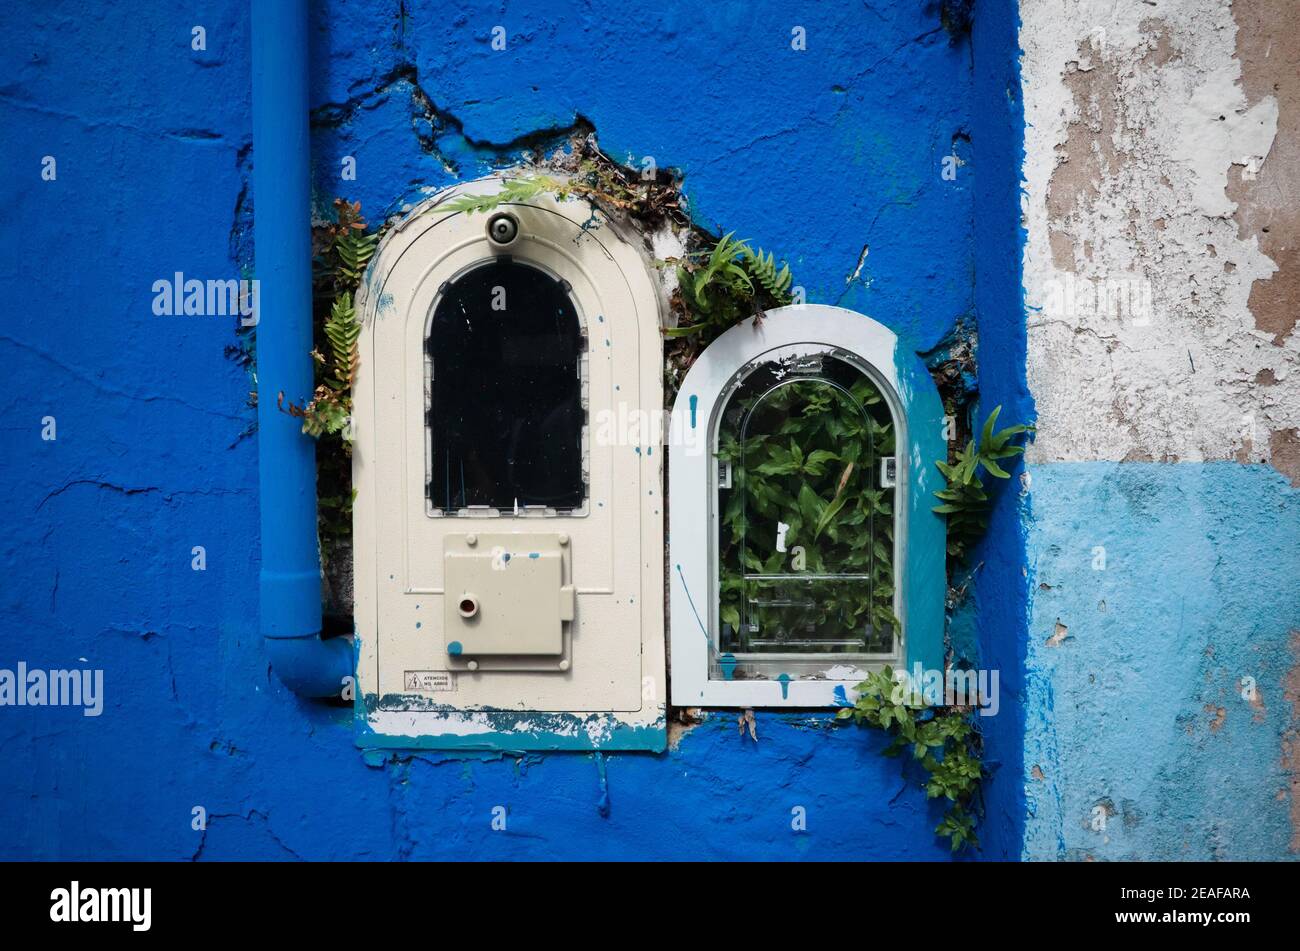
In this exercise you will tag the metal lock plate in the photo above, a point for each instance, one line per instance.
(506, 595)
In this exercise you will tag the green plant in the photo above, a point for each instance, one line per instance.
(343, 250)
(725, 284)
(965, 500)
(802, 509)
(941, 740)
(513, 191)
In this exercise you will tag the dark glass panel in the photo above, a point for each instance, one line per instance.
(505, 416)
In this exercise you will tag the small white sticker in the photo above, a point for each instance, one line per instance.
(430, 681)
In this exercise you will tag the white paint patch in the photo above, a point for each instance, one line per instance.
(1135, 119)
(1214, 129)
(846, 672)
(667, 244)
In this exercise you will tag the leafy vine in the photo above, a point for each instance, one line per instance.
(942, 740)
(341, 251)
(965, 501)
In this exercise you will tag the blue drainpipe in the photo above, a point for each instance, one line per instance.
(286, 471)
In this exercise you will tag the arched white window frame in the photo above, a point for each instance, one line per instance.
(919, 535)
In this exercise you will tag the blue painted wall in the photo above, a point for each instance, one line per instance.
(997, 588)
(1136, 708)
(813, 154)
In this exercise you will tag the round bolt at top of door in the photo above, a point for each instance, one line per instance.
(503, 227)
(468, 606)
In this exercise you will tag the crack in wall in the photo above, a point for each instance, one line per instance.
(430, 123)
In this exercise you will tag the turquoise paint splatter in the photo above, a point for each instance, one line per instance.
(784, 681)
(694, 610)
(695, 404)
(454, 648)
(728, 664)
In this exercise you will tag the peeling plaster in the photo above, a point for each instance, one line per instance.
(1147, 141)
(1161, 197)
(1268, 45)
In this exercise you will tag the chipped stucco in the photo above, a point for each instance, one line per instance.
(1156, 157)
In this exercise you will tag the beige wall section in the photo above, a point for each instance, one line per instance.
(1161, 268)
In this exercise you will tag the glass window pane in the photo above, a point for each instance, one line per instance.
(805, 528)
(505, 415)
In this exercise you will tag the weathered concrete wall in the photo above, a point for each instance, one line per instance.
(1161, 165)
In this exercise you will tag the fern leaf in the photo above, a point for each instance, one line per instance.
(343, 332)
(762, 266)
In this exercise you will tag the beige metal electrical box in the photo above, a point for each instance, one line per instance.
(507, 605)
(508, 521)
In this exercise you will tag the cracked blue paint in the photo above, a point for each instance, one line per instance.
(155, 455)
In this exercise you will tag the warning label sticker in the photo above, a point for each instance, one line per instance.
(430, 681)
